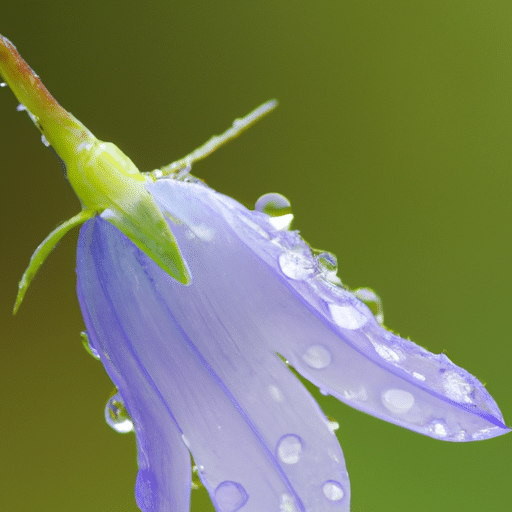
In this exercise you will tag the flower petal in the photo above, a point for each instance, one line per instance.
(200, 360)
(258, 437)
(163, 481)
(332, 338)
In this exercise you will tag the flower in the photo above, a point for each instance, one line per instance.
(197, 366)
(197, 307)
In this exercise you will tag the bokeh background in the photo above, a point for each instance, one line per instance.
(393, 143)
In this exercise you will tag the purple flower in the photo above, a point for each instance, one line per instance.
(198, 366)
(197, 306)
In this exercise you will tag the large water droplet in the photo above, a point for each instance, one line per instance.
(347, 316)
(333, 490)
(372, 300)
(289, 448)
(273, 204)
(87, 345)
(230, 496)
(296, 266)
(278, 208)
(117, 416)
(398, 401)
(317, 357)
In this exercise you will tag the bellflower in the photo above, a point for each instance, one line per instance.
(196, 307)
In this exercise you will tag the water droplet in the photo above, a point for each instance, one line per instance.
(372, 300)
(286, 504)
(391, 355)
(485, 433)
(20, 107)
(327, 262)
(456, 387)
(289, 448)
(317, 357)
(87, 345)
(276, 393)
(296, 266)
(438, 428)
(3, 84)
(398, 401)
(230, 496)
(360, 394)
(185, 441)
(273, 204)
(347, 316)
(278, 208)
(418, 376)
(44, 141)
(328, 266)
(333, 490)
(202, 232)
(333, 425)
(117, 416)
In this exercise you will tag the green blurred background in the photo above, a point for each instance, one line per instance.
(393, 143)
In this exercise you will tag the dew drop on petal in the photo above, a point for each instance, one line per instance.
(273, 204)
(289, 448)
(372, 300)
(418, 376)
(278, 208)
(456, 387)
(438, 428)
(347, 316)
(230, 496)
(398, 401)
(276, 393)
(117, 416)
(333, 490)
(333, 425)
(286, 504)
(296, 266)
(317, 357)
(328, 267)
(360, 394)
(327, 262)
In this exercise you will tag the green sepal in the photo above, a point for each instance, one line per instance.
(44, 249)
(146, 227)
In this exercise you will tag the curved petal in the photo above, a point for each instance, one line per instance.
(164, 477)
(200, 360)
(331, 337)
(258, 437)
